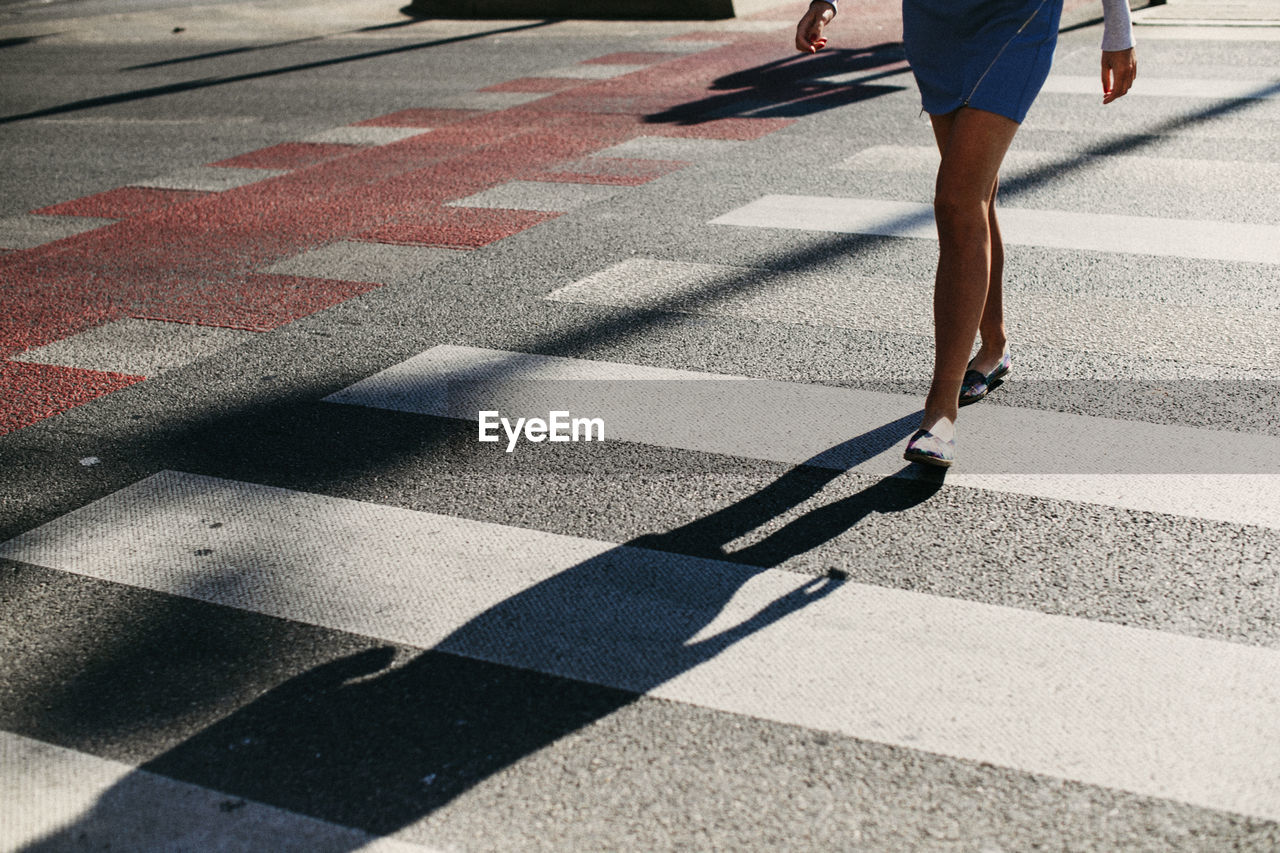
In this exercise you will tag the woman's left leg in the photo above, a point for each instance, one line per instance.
(991, 332)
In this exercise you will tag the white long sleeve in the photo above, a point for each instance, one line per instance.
(1117, 28)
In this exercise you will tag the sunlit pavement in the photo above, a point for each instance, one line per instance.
(313, 317)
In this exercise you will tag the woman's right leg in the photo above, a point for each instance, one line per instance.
(991, 330)
(973, 144)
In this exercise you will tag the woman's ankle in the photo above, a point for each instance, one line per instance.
(993, 345)
(939, 421)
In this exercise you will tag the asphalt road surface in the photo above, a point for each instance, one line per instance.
(312, 318)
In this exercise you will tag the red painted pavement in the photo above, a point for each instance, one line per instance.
(121, 203)
(614, 171)
(419, 117)
(458, 227)
(258, 303)
(29, 393)
(647, 57)
(197, 257)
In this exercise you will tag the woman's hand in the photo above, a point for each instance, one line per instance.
(809, 37)
(1119, 68)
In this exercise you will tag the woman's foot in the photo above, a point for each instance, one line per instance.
(983, 370)
(934, 444)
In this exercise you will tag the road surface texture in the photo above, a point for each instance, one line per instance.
(271, 273)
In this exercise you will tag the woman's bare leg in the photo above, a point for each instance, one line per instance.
(991, 328)
(973, 144)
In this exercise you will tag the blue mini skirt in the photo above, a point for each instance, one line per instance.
(991, 55)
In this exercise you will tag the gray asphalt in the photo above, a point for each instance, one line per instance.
(166, 683)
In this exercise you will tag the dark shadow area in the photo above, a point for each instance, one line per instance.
(708, 536)
(18, 41)
(630, 10)
(361, 743)
(208, 82)
(794, 86)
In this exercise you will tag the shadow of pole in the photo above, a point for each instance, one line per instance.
(208, 82)
(259, 48)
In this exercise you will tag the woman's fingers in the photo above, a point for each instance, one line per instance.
(809, 38)
(809, 34)
(1119, 70)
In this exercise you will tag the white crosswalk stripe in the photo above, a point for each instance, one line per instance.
(1097, 232)
(136, 347)
(1127, 327)
(1154, 713)
(1019, 163)
(1206, 31)
(1196, 473)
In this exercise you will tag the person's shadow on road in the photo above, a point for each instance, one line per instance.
(366, 744)
(797, 85)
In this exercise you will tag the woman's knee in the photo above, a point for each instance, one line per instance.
(961, 214)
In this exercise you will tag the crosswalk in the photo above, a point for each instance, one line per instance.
(1104, 685)
(1156, 714)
